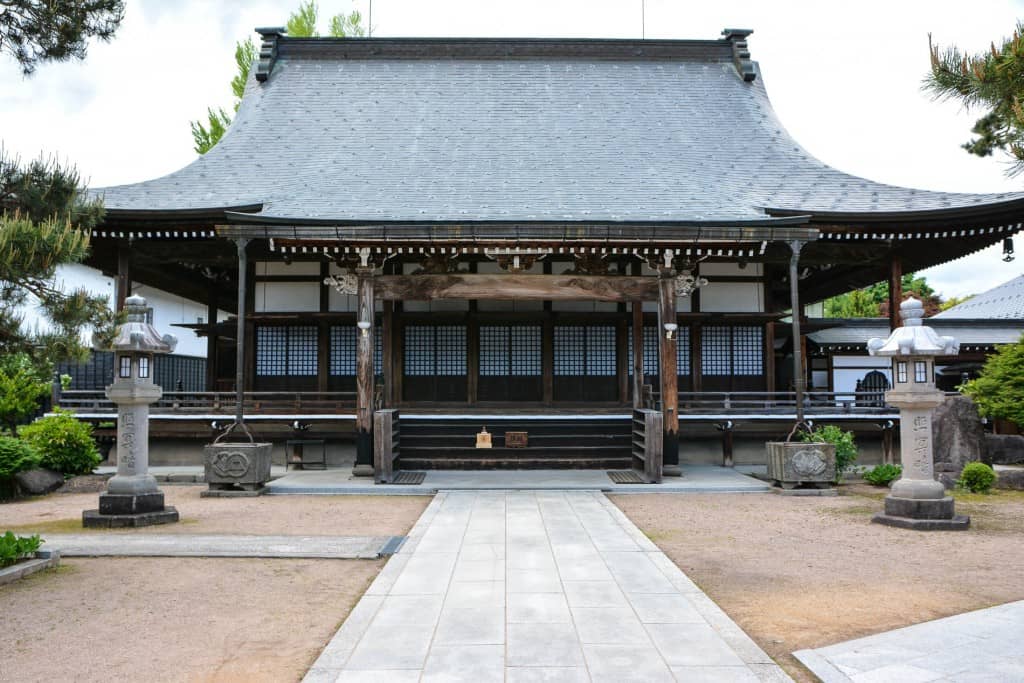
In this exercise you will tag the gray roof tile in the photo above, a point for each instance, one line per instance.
(1003, 302)
(559, 138)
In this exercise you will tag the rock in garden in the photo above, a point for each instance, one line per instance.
(1009, 477)
(39, 481)
(1004, 449)
(958, 437)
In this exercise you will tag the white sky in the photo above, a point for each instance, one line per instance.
(844, 78)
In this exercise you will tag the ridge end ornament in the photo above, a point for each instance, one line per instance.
(347, 283)
(687, 283)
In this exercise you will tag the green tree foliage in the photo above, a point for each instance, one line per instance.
(36, 31)
(846, 448)
(22, 386)
(64, 443)
(302, 23)
(45, 219)
(954, 301)
(15, 456)
(998, 390)
(976, 477)
(992, 82)
(873, 301)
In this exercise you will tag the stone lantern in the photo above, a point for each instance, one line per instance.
(916, 500)
(132, 497)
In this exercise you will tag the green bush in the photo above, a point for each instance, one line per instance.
(22, 387)
(883, 475)
(64, 444)
(846, 449)
(16, 455)
(14, 548)
(977, 477)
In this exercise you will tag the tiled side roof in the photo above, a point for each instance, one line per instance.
(1003, 302)
(967, 332)
(348, 131)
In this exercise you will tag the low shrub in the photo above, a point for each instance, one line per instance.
(64, 444)
(846, 449)
(883, 475)
(14, 548)
(16, 456)
(977, 477)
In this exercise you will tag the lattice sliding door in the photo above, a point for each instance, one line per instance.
(585, 363)
(434, 363)
(732, 358)
(511, 363)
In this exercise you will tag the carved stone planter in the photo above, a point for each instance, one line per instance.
(791, 463)
(236, 468)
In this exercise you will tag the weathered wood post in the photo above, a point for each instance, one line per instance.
(638, 355)
(364, 374)
(799, 377)
(667, 329)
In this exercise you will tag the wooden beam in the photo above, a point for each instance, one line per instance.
(516, 286)
(124, 276)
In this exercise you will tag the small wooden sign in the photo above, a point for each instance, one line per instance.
(516, 439)
(483, 438)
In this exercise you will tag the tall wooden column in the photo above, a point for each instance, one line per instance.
(638, 354)
(123, 284)
(895, 291)
(364, 375)
(799, 372)
(669, 374)
(211, 339)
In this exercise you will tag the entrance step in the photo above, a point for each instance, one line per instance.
(564, 443)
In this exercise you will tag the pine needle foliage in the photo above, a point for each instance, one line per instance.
(302, 23)
(45, 222)
(992, 82)
(37, 31)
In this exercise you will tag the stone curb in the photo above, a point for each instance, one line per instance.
(44, 559)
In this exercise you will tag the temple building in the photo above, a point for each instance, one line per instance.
(527, 230)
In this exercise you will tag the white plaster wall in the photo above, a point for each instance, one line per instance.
(287, 296)
(732, 297)
(168, 309)
(712, 268)
(294, 268)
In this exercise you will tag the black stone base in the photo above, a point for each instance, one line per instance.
(935, 508)
(95, 519)
(923, 515)
(956, 523)
(130, 504)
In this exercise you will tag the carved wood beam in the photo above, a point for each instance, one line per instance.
(516, 286)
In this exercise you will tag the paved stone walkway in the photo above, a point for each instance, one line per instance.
(536, 586)
(986, 645)
(212, 545)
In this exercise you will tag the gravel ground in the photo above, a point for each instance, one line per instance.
(807, 572)
(190, 619)
(265, 515)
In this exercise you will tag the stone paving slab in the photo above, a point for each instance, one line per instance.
(535, 586)
(695, 479)
(213, 545)
(985, 645)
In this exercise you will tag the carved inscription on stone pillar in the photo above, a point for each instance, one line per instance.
(129, 444)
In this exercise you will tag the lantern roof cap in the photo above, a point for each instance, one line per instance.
(913, 338)
(137, 334)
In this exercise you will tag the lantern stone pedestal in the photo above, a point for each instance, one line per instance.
(132, 498)
(916, 500)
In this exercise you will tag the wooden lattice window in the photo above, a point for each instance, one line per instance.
(513, 350)
(652, 362)
(342, 351)
(732, 350)
(584, 350)
(435, 350)
(289, 351)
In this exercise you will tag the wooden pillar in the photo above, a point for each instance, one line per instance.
(211, 339)
(638, 354)
(388, 350)
(123, 284)
(799, 377)
(622, 361)
(895, 291)
(364, 374)
(240, 349)
(669, 376)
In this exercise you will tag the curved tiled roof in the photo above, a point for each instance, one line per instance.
(1003, 302)
(515, 130)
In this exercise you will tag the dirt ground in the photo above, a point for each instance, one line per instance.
(807, 572)
(265, 515)
(190, 619)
